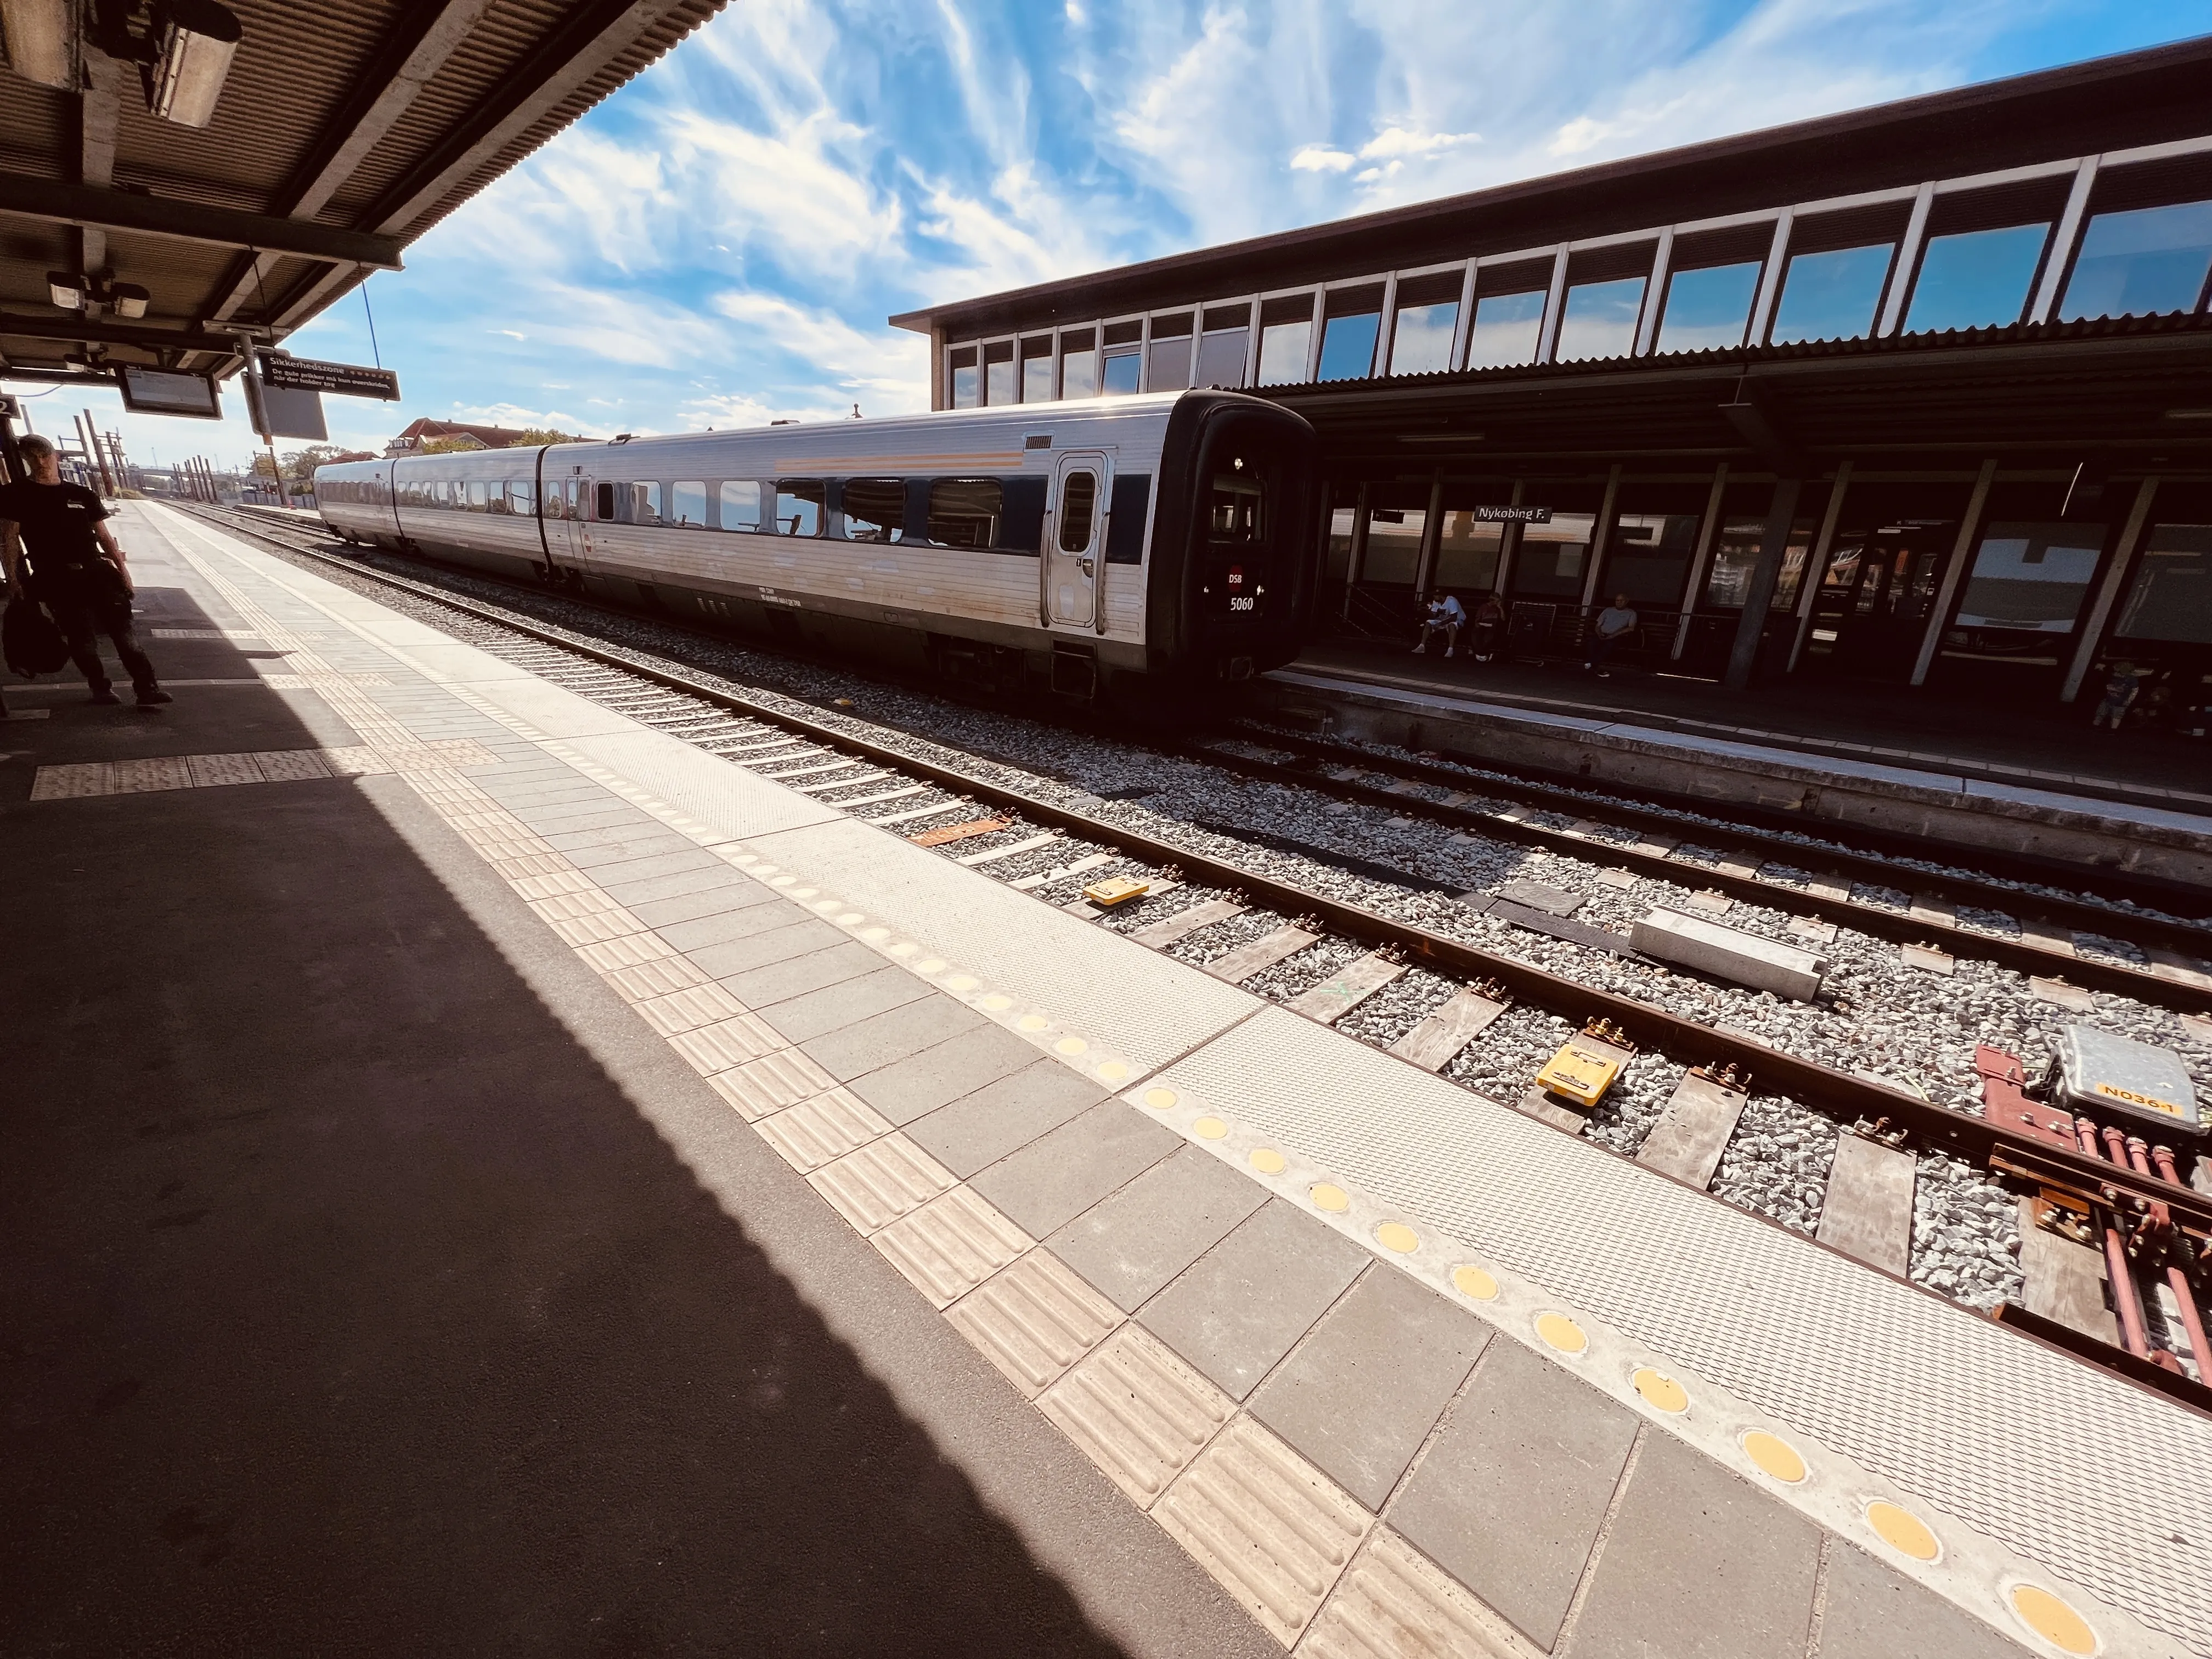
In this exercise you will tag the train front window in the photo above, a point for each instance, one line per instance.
(798, 506)
(1235, 515)
(966, 512)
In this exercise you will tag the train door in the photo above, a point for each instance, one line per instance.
(1075, 538)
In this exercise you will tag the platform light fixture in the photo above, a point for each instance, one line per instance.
(66, 291)
(42, 40)
(194, 41)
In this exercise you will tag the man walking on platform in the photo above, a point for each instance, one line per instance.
(67, 560)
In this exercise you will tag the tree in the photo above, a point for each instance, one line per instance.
(530, 437)
(299, 465)
(448, 445)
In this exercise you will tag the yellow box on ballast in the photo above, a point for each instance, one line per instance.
(1580, 1074)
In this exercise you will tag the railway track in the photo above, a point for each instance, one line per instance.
(1023, 830)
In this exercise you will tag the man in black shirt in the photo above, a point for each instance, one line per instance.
(67, 560)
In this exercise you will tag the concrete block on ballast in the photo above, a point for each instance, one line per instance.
(1729, 953)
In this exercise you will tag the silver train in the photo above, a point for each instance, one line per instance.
(1106, 546)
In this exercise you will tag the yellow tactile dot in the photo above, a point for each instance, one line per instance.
(1397, 1235)
(998, 1002)
(745, 860)
(782, 881)
(1333, 1199)
(962, 981)
(851, 919)
(1267, 1161)
(1031, 1023)
(1659, 1391)
(1071, 1046)
(1774, 1456)
(1160, 1099)
(1561, 1332)
(878, 935)
(905, 947)
(825, 906)
(1209, 1129)
(1903, 1531)
(805, 892)
(932, 965)
(1473, 1281)
(2052, 1619)
(1113, 1071)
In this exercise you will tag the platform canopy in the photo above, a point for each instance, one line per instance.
(174, 171)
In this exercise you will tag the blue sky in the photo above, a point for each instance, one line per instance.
(719, 243)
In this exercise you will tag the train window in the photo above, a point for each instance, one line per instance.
(1236, 513)
(741, 504)
(643, 501)
(1078, 508)
(967, 385)
(798, 504)
(603, 508)
(1125, 528)
(875, 509)
(966, 512)
(687, 504)
(479, 501)
(522, 497)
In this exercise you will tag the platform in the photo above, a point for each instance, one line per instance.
(1972, 779)
(495, 1174)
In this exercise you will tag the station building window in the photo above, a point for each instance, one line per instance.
(1553, 558)
(1225, 333)
(1739, 536)
(967, 377)
(998, 373)
(966, 512)
(739, 504)
(800, 506)
(1599, 319)
(1426, 320)
(1393, 543)
(1653, 539)
(687, 504)
(1976, 279)
(1122, 370)
(1285, 339)
(1167, 367)
(1467, 550)
(2141, 263)
(1337, 557)
(1036, 369)
(1079, 363)
(1351, 324)
(1509, 314)
(1837, 272)
(1707, 307)
(874, 509)
(2169, 599)
(2025, 587)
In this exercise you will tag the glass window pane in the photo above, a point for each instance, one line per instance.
(2031, 577)
(1078, 506)
(1976, 279)
(1735, 556)
(874, 508)
(1708, 310)
(1348, 346)
(967, 383)
(1221, 357)
(1550, 563)
(1235, 514)
(966, 512)
(688, 504)
(1340, 543)
(645, 503)
(741, 504)
(2171, 597)
(1121, 370)
(1832, 296)
(1601, 320)
(1467, 554)
(2138, 264)
(1649, 558)
(1421, 338)
(476, 496)
(1505, 329)
(998, 378)
(1283, 348)
(1036, 371)
(798, 506)
(1394, 545)
(1078, 373)
(1168, 369)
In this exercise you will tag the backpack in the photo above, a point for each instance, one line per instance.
(32, 645)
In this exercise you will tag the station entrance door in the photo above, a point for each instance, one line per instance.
(1871, 612)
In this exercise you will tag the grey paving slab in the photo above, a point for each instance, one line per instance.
(1700, 1562)
(683, 858)
(639, 890)
(1363, 1390)
(1868, 1612)
(977, 1130)
(726, 898)
(570, 817)
(797, 976)
(1509, 1498)
(595, 850)
(1244, 1303)
(827, 1009)
(903, 1033)
(1059, 1175)
(906, 1088)
(737, 957)
(739, 914)
(1136, 1241)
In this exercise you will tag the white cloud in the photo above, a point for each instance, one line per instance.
(1320, 158)
(1398, 142)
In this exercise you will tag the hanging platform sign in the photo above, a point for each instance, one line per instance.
(1513, 515)
(291, 373)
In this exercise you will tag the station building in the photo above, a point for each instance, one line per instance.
(1915, 395)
